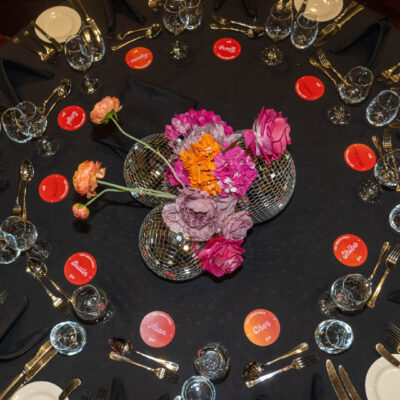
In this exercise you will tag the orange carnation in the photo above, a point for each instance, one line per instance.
(86, 176)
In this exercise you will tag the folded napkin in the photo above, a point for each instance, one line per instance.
(249, 5)
(317, 387)
(110, 11)
(374, 36)
(147, 108)
(9, 315)
(394, 296)
(117, 390)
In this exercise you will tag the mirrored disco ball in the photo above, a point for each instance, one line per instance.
(271, 191)
(144, 169)
(169, 255)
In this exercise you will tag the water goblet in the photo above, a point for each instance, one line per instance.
(175, 19)
(95, 41)
(21, 234)
(387, 169)
(68, 338)
(277, 27)
(333, 336)
(197, 388)
(195, 13)
(383, 108)
(358, 82)
(212, 361)
(90, 304)
(304, 31)
(13, 129)
(80, 57)
(7, 253)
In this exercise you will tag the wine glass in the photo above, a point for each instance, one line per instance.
(95, 41)
(21, 234)
(383, 108)
(278, 26)
(7, 253)
(68, 338)
(358, 82)
(90, 303)
(175, 19)
(305, 29)
(11, 120)
(80, 57)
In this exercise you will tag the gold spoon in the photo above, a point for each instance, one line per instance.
(250, 33)
(151, 33)
(27, 173)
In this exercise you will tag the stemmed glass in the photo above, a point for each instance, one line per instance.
(278, 26)
(80, 57)
(68, 338)
(175, 19)
(20, 234)
(304, 32)
(95, 41)
(7, 253)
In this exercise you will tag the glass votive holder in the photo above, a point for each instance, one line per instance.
(394, 218)
(14, 130)
(212, 361)
(7, 253)
(194, 13)
(383, 108)
(21, 234)
(304, 31)
(68, 338)
(358, 82)
(90, 303)
(197, 388)
(387, 169)
(333, 336)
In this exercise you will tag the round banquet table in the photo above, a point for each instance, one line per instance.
(289, 260)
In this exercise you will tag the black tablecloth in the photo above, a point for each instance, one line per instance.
(288, 261)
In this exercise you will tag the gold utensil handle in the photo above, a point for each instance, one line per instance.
(24, 202)
(224, 28)
(82, 8)
(384, 249)
(167, 364)
(316, 64)
(117, 357)
(43, 108)
(297, 350)
(242, 24)
(263, 378)
(346, 10)
(348, 384)
(372, 300)
(17, 208)
(381, 349)
(3, 394)
(53, 105)
(60, 290)
(350, 16)
(391, 70)
(117, 47)
(335, 381)
(377, 144)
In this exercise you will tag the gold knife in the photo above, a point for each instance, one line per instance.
(338, 27)
(381, 349)
(335, 381)
(90, 21)
(348, 384)
(395, 124)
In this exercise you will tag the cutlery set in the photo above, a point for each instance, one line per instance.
(346, 392)
(252, 31)
(388, 77)
(101, 394)
(151, 32)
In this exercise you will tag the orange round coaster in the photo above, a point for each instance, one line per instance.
(350, 250)
(262, 327)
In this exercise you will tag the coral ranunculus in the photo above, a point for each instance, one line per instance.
(86, 176)
(221, 256)
(80, 210)
(269, 136)
(104, 109)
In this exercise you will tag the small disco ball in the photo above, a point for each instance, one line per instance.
(271, 191)
(169, 255)
(144, 169)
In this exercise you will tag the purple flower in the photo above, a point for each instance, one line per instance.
(235, 226)
(235, 171)
(194, 213)
(269, 136)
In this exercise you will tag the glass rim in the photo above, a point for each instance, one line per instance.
(166, 7)
(344, 325)
(279, 15)
(82, 287)
(364, 69)
(384, 92)
(304, 15)
(72, 324)
(194, 378)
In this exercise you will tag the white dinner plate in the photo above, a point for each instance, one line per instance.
(325, 10)
(383, 380)
(40, 390)
(58, 22)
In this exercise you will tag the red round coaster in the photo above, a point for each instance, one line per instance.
(310, 88)
(54, 188)
(139, 58)
(157, 329)
(262, 327)
(227, 48)
(360, 157)
(71, 118)
(350, 250)
(80, 268)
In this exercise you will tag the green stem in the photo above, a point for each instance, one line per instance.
(101, 194)
(150, 192)
(148, 147)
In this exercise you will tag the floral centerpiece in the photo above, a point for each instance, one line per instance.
(213, 169)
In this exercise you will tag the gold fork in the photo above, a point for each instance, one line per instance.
(316, 64)
(58, 303)
(297, 363)
(388, 73)
(390, 262)
(327, 64)
(387, 146)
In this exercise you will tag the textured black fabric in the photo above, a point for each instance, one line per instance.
(289, 260)
(394, 296)
(110, 9)
(117, 390)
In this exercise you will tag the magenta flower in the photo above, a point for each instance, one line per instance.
(269, 136)
(180, 171)
(235, 226)
(194, 213)
(221, 256)
(235, 171)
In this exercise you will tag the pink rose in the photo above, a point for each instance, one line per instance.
(221, 256)
(102, 109)
(235, 226)
(269, 136)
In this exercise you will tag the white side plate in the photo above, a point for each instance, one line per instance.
(325, 10)
(40, 390)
